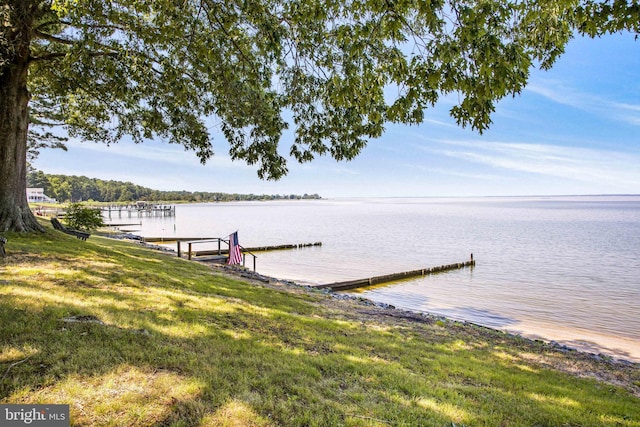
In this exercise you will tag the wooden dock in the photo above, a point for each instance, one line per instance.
(220, 251)
(259, 249)
(175, 239)
(220, 255)
(361, 283)
(138, 210)
(187, 240)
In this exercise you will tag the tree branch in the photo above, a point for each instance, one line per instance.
(53, 39)
(46, 24)
(238, 48)
(102, 26)
(48, 57)
(47, 124)
(14, 365)
(57, 55)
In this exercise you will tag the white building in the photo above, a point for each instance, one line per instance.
(36, 195)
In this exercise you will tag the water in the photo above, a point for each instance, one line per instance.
(558, 268)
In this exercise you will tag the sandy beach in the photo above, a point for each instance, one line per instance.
(585, 341)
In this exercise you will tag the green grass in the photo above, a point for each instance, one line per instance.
(180, 344)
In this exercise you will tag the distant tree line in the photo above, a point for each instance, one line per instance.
(65, 188)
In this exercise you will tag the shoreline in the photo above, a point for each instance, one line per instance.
(535, 332)
(556, 344)
(122, 330)
(586, 341)
(582, 363)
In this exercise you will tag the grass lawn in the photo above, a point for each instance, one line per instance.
(128, 336)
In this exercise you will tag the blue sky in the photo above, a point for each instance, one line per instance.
(575, 129)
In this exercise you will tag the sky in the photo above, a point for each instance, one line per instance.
(574, 130)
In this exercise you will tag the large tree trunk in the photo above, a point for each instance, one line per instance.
(15, 214)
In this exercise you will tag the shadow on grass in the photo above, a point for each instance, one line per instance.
(181, 346)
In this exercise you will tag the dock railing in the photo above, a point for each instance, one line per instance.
(220, 251)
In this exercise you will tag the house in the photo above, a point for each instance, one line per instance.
(36, 195)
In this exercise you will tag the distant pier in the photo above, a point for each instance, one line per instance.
(370, 281)
(139, 209)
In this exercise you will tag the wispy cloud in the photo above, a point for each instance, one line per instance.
(593, 104)
(159, 153)
(571, 163)
(458, 174)
(451, 125)
(628, 112)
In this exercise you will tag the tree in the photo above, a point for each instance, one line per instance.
(83, 218)
(38, 179)
(42, 116)
(109, 68)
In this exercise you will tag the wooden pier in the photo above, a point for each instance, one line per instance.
(138, 210)
(220, 251)
(361, 283)
(187, 240)
(259, 249)
(219, 255)
(175, 239)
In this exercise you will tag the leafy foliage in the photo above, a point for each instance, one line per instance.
(340, 70)
(44, 115)
(335, 71)
(596, 18)
(83, 218)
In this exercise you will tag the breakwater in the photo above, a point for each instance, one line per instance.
(370, 281)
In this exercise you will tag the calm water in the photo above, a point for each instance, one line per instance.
(558, 268)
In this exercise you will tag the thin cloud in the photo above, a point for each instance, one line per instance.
(571, 163)
(596, 105)
(157, 153)
(459, 174)
(442, 123)
(629, 113)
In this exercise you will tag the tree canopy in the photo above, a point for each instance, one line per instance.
(336, 71)
(146, 68)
